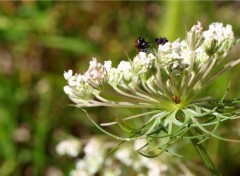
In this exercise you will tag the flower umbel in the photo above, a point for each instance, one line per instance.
(166, 81)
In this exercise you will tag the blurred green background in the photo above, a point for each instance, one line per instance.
(41, 39)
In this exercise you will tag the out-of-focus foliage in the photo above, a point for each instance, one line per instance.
(41, 39)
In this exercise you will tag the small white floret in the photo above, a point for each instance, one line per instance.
(70, 147)
(68, 75)
(67, 90)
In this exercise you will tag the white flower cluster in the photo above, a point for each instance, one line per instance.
(78, 89)
(218, 39)
(82, 89)
(129, 158)
(176, 71)
(94, 157)
(69, 147)
(143, 62)
(96, 73)
(94, 161)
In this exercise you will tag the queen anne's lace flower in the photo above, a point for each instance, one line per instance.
(178, 69)
(166, 81)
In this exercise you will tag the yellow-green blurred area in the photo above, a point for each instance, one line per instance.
(39, 40)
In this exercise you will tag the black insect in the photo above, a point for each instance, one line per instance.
(142, 45)
(161, 41)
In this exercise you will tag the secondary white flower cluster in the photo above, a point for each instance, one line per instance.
(94, 157)
(95, 160)
(128, 157)
(172, 74)
(218, 39)
(69, 147)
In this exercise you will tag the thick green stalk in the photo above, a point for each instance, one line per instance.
(204, 155)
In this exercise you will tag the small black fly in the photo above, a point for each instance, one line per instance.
(142, 45)
(161, 41)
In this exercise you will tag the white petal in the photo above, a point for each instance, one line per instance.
(108, 65)
(142, 55)
(123, 66)
(68, 90)
(68, 75)
(93, 63)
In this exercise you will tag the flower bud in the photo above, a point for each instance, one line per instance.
(211, 47)
(126, 69)
(194, 37)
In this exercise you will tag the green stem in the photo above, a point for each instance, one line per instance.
(204, 155)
